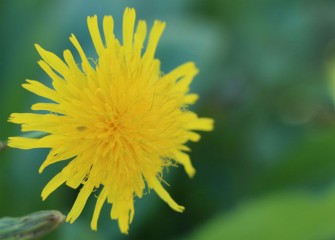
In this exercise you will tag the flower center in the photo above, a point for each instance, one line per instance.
(114, 125)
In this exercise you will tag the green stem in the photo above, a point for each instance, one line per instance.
(31, 226)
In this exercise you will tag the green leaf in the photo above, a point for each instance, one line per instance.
(281, 216)
(309, 161)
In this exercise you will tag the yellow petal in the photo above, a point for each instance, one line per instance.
(184, 83)
(141, 32)
(123, 211)
(52, 59)
(41, 90)
(192, 136)
(108, 26)
(80, 173)
(80, 202)
(191, 98)
(69, 59)
(85, 63)
(181, 71)
(101, 199)
(30, 143)
(155, 34)
(184, 159)
(24, 117)
(56, 155)
(93, 27)
(53, 184)
(128, 29)
(52, 107)
(57, 82)
(37, 122)
(203, 124)
(23, 143)
(165, 196)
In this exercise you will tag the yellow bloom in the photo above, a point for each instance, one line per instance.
(118, 121)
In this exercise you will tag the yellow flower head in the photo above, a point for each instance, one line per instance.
(118, 121)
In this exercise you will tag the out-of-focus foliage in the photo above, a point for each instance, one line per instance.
(268, 169)
(287, 215)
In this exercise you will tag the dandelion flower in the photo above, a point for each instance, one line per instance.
(117, 121)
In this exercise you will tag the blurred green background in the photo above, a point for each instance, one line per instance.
(266, 172)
